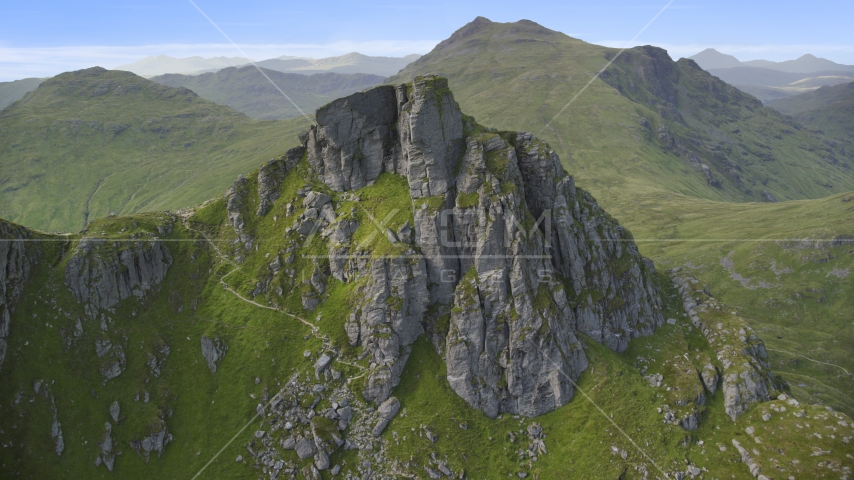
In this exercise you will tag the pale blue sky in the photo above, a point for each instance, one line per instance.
(49, 37)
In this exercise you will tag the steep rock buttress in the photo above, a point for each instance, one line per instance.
(507, 260)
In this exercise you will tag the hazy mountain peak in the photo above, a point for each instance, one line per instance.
(711, 58)
(521, 31)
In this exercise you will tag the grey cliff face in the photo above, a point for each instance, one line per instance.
(352, 139)
(431, 135)
(415, 132)
(271, 176)
(388, 320)
(511, 265)
(101, 273)
(15, 264)
(234, 198)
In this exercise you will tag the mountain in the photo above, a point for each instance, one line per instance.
(12, 91)
(397, 296)
(649, 124)
(94, 142)
(162, 64)
(774, 78)
(629, 139)
(246, 90)
(830, 109)
(349, 63)
(711, 59)
(769, 81)
(804, 64)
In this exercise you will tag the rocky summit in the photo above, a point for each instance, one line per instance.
(505, 254)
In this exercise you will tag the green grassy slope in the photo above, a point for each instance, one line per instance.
(519, 76)
(201, 410)
(780, 266)
(12, 91)
(204, 411)
(246, 90)
(89, 143)
(830, 109)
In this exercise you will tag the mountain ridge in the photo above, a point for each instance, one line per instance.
(247, 90)
(163, 64)
(90, 143)
(807, 63)
(352, 62)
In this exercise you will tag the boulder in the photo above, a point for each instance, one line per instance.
(213, 349)
(386, 412)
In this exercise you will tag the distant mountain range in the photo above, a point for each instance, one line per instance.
(246, 90)
(710, 59)
(327, 89)
(769, 81)
(350, 63)
(162, 64)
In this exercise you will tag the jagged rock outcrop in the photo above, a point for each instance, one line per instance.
(709, 376)
(386, 412)
(156, 362)
(213, 349)
(101, 273)
(388, 319)
(154, 443)
(747, 459)
(106, 456)
(746, 373)
(234, 199)
(113, 359)
(509, 257)
(15, 267)
(271, 176)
